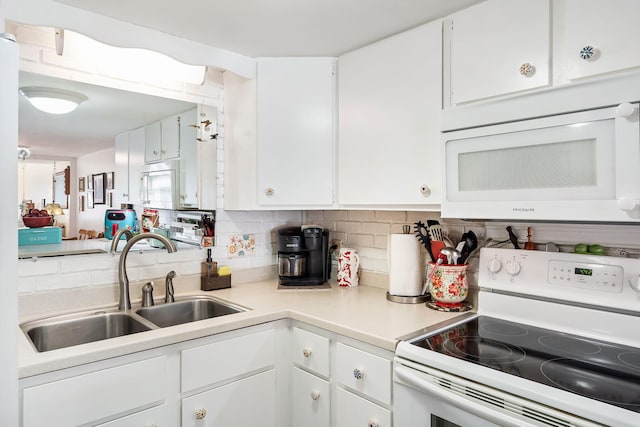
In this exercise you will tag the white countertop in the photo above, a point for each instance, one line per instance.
(362, 313)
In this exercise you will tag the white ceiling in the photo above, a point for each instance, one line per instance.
(93, 125)
(278, 27)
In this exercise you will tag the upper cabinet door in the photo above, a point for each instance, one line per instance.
(601, 36)
(390, 99)
(295, 104)
(499, 47)
(153, 142)
(170, 137)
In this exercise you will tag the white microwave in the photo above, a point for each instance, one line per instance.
(582, 166)
(159, 185)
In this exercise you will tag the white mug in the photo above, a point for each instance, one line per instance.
(348, 264)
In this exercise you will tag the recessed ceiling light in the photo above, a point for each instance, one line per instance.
(52, 100)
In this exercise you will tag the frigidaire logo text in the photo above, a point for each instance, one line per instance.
(523, 209)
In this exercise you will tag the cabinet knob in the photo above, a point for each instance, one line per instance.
(372, 423)
(155, 152)
(358, 374)
(163, 151)
(269, 192)
(200, 414)
(425, 190)
(588, 53)
(315, 395)
(527, 69)
(125, 195)
(306, 352)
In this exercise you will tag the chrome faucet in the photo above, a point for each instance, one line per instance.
(123, 280)
(168, 294)
(117, 237)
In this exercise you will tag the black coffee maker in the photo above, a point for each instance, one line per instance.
(303, 255)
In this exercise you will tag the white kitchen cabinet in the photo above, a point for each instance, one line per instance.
(390, 98)
(94, 396)
(220, 374)
(353, 410)
(310, 400)
(162, 139)
(357, 391)
(295, 108)
(129, 161)
(198, 158)
(498, 47)
(248, 402)
(611, 29)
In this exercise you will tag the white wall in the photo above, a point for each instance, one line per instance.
(94, 163)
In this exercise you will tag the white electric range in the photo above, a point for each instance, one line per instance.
(555, 342)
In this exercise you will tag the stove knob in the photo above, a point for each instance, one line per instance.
(494, 265)
(513, 268)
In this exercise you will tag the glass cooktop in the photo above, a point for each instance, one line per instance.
(599, 370)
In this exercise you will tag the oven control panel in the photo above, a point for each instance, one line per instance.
(598, 277)
(592, 279)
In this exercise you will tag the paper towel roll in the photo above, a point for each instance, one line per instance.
(405, 266)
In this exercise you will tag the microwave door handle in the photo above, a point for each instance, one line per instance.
(144, 190)
(627, 137)
(464, 404)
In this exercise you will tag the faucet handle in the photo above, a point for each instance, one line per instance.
(147, 294)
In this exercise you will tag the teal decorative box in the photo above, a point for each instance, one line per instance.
(39, 236)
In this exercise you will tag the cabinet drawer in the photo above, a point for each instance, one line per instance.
(364, 372)
(311, 351)
(211, 363)
(98, 395)
(354, 411)
(310, 400)
(154, 417)
(249, 402)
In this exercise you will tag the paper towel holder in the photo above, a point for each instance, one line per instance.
(408, 300)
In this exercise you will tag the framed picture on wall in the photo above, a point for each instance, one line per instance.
(98, 188)
(89, 182)
(81, 203)
(89, 199)
(81, 182)
(109, 180)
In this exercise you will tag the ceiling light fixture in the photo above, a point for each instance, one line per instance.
(52, 100)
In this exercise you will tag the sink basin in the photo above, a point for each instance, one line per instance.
(185, 311)
(54, 333)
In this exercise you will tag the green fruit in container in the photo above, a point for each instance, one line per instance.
(581, 248)
(596, 249)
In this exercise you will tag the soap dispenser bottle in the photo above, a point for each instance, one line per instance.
(209, 273)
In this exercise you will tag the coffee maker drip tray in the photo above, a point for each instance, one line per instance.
(298, 287)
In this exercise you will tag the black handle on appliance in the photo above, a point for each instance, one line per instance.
(513, 238)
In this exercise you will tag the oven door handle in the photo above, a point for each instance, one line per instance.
(501, 419)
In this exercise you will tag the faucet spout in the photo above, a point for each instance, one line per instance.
(117, 237)
(123, 279)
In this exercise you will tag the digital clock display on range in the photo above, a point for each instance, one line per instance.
(583, 271)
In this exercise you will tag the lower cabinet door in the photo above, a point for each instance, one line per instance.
(249, 402)
(310, 400)
(354, 411)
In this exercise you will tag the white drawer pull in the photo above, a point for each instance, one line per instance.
(358, 374)
(315, 395)
(306, 352)
(200, 414)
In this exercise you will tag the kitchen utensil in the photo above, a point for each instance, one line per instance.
(430, 275)
(471, 243)
(513, 238)
(422, 232)
(440, 232)
(406, 229)
(451, 254)
(530, 246)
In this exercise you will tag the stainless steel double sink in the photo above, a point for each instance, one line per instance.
(80, 328)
